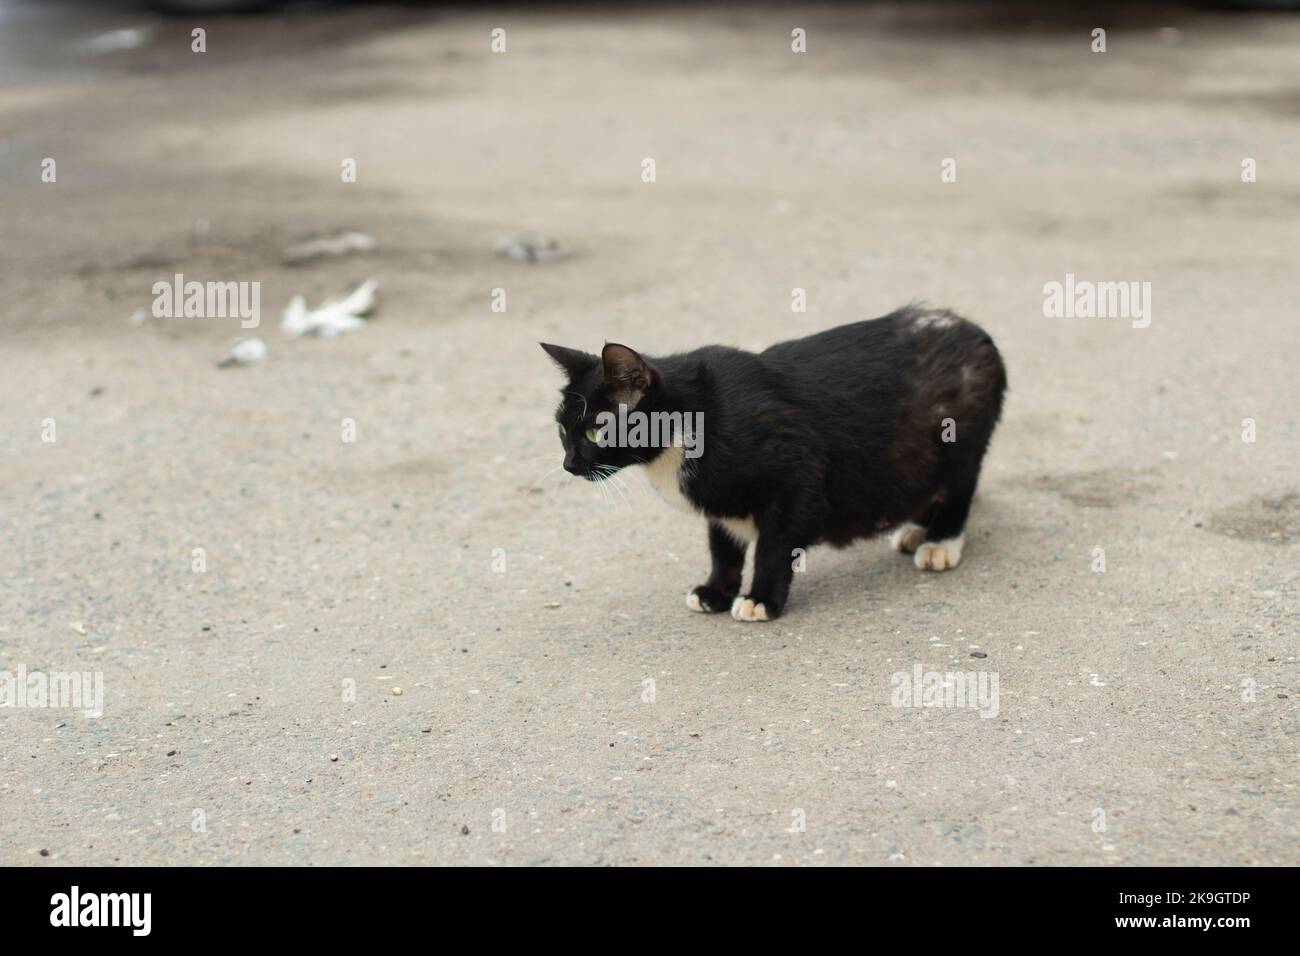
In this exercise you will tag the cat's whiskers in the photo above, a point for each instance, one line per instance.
(611, 475)
(604, 492)
(541, 481)
(580, 397)
(632, 491)
(600, 471)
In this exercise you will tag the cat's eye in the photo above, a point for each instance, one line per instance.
(593, 435)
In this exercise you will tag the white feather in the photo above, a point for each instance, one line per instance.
(332, 318)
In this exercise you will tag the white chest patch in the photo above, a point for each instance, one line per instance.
(665, 474)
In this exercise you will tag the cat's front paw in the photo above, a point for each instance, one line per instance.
(707, 599)
(745, 608)
(939, 555)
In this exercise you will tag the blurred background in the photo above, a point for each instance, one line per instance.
(497, 198)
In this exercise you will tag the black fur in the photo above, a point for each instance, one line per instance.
(828, 438)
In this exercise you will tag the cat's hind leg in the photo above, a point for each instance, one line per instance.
(906, 538)
(974, 408)
(945, 532)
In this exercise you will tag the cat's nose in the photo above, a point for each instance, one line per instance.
(572, 465)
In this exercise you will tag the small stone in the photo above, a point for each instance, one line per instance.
(397, 692)
(530, 247)
(171, 753)
(45, 853)
(978, 654)
(464, 830)
(551, 604)
(78, 627)
(244, 352)
(334, 758)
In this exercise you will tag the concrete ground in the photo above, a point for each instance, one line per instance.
(559, 704)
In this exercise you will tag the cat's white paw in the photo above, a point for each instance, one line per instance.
(743, 609)
(939, 555)
(693, 601)
(906, 538)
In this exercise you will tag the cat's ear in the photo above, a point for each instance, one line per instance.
(573, 361)
(628, 374)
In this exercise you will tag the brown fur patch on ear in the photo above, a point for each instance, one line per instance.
(627, 374)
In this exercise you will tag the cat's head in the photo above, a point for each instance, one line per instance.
(597, 386)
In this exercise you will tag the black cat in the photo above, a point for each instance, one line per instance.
(863, 428)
